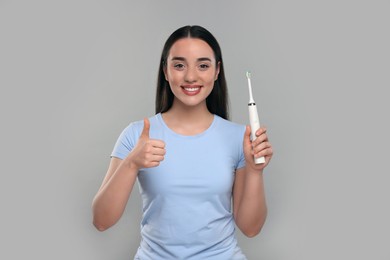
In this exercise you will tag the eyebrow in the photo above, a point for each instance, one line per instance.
(199, 59)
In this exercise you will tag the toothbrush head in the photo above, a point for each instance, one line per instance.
(248, 75)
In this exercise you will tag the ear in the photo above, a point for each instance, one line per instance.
(165, 72)
(217, 70)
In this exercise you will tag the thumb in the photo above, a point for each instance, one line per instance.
(247, 138)
(247, 135)
(145, 130)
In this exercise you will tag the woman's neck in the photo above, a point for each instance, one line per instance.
(188, 120)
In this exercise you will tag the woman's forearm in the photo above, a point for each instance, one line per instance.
(111, 199)
(252, 210)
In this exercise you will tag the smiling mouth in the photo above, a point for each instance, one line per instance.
(193, 90)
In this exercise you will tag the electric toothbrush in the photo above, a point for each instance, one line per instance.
(253, 116)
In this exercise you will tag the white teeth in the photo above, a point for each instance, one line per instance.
(191, 89)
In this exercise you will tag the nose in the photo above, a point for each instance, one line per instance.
(190, 75)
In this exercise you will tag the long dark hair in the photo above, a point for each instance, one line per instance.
(217, 101)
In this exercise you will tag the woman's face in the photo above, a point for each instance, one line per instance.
(191, 71)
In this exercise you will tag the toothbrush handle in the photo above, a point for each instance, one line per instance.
(255, 125)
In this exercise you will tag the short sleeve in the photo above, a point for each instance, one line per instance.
(125, 143)
(241, 158)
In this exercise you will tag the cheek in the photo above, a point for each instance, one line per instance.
(211, 78)
(172, 76)
(173, 80)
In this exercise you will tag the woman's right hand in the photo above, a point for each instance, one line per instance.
(147, 152)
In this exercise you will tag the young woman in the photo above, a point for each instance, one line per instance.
(196, 171)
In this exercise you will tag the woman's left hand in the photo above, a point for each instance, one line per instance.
(258, 148)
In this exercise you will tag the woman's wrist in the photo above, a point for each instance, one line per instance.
(254, 171)
(130, 164)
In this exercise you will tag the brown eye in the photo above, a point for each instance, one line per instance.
(178, 66)
(204, 66)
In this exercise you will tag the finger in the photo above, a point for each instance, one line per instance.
(153, 160)
(145, 130)
(261, 147)
(247, 135)
(152, 164)
(157, 143)
(247, 138)
(260, 139)
(157, 158)
(267, 152)
(158, 151)
(261, 131)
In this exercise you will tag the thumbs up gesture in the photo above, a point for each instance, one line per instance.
(147, 152)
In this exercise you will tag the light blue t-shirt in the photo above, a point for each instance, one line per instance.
(187, 199)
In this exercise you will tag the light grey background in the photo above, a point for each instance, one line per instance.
(73, 74)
